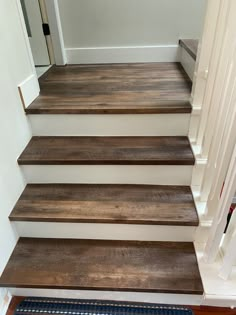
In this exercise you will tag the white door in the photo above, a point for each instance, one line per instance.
(33, 21)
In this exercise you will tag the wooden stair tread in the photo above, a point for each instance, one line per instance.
(114, 89)
(107, 150)
(191, 46)
(99, 203)
(169, 267)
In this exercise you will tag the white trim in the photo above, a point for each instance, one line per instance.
(198, 171)
(162, 298)
(219, 40)
(110, 125)
(88, 55)
(223, 203)
(217, 292)
(205, 48)
(109, 174)
(5, 299)
(56, 31)
(228, 236)
(48, 37)
(29, 90)
(167, 233)
(27, 43)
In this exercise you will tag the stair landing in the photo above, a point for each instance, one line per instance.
(166, 267)
(139, 88)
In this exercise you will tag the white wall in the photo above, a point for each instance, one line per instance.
(112, 23)
(15, 65)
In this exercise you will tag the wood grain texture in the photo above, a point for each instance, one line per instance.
(126, 204)
(191, 46)
(114, 89)
(198, 310)
(103, 265)
(107, 151)
(207, 310)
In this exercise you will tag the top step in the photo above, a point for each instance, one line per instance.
(143, 88)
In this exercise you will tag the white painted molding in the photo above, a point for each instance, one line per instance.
(56, 31)
(229, 258)
(29, 90)
(217, 292)
(213, 67)
(168, 53)
(162, 298)
(106, 231)
(109, 174)
(110, 125)
(221, 205)
(5, 299)
(196, 110)
(188, 63)
(228, 236)
(198, 171)
(205, 48)
(27, 43)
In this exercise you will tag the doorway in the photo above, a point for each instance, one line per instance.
(38, 32)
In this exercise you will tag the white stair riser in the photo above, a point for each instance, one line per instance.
(109, 174)
(110, 125)
(106, 231)
(162, 298)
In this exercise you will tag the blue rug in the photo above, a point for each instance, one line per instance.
(34, 306)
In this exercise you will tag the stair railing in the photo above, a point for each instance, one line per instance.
(213, 127)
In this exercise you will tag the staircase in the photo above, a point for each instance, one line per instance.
(108, 210)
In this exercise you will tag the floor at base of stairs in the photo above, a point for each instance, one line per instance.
(198, 310)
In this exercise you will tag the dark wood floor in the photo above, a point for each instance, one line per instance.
(191, 46)
(127, 204)
(166, 267)
(198, 310)
(108, 150)
(115, 89)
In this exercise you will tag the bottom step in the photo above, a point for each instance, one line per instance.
(160, 267)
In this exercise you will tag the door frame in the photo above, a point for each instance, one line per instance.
(54, 21)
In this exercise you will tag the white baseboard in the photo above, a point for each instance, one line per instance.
(168, 53)
(162, 298)
(167, 233)
(109, 174)
(110, 125)
(5, 299)
(29, 90)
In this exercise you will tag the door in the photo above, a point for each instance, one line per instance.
(33, 21)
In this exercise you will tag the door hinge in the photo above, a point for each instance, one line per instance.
(46, 29)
